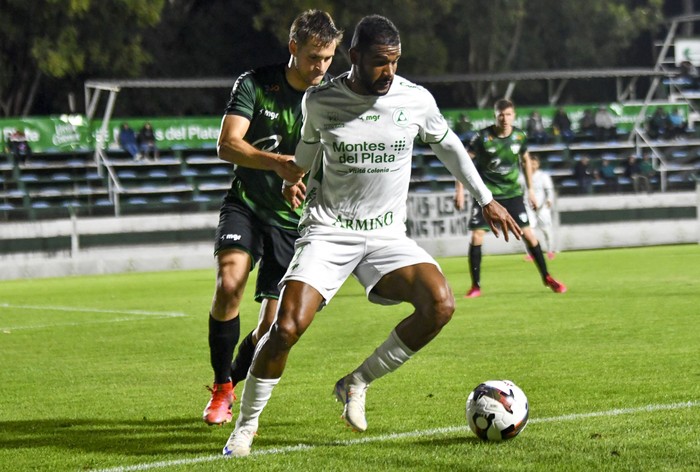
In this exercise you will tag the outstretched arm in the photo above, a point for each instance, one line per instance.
(452, 153)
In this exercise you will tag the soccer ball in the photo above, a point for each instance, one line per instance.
(497, 410)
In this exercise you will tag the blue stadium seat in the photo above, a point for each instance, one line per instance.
(126, 174)
(137, 201)
(50, 192)
(168, 159)
(157, 173)
(61, 177)
(679, 154)
(622, 180)
(219, 171)
(28, 178)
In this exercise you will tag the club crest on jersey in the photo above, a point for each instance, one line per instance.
(515, 148)
(400, 117)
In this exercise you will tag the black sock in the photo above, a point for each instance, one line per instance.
(243, 360)
(475, 265)
(536, 253)
(223, 337)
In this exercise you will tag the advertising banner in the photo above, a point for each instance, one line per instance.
(434, 216)
(65, 133)
(60, 133)
(191, 132)
(624, 115)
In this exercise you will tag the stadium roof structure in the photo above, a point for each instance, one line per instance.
(93, 88)
(626, 80)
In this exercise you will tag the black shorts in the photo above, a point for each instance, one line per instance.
(515, 207)
(272, 246)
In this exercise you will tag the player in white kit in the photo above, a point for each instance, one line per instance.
(357, 142)
(541, 218)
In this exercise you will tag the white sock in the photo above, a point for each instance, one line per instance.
(256, 394)
(388, 357)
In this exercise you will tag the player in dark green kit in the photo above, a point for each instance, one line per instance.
(499, 153)
(259, 133)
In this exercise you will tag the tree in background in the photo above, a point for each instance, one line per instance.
(48, 52)
(62, 41)
(478, 36)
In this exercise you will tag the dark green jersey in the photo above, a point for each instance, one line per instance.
(498, 160)
(273, 107)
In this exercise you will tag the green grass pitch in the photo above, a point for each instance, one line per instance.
(109, 373)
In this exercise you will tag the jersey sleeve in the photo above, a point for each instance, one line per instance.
(242, 101)
(309, 132)
(523, 143)
(476, 145)
(435, 126)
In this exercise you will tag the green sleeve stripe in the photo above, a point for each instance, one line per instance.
(439, 140)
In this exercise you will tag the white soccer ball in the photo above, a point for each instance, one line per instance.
(497, 410)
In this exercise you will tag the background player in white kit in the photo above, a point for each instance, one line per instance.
(364, 122)
(541, 218)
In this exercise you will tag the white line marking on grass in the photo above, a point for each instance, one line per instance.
(394, 436)
(141, 313)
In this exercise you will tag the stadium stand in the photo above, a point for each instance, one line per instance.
(55, 185)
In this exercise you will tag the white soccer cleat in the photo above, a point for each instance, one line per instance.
(238, 444)
(352, 394)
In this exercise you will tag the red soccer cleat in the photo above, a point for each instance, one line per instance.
(556, 287)
(550, 255)
(473, 292)
(218, 410)
(528, 258)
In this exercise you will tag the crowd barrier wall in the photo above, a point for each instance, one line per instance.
(91, 246)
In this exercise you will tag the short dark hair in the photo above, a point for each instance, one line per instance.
(316, 26)
(502, 104)
(375, 30)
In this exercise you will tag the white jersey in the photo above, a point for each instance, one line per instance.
(543, 187)
(360, 183)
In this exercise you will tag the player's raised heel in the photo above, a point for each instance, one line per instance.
(556, 287)
(218, 410)
(473, 292)
(352, 394)
(238, 444)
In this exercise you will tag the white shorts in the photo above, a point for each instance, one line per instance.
(325, 257)
(544, 217)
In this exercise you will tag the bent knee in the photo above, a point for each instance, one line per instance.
(444, 309)
(284, 334)
(439, 310)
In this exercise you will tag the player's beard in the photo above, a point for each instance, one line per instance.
(378, 87)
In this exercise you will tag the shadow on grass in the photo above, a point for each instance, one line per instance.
(124, 437)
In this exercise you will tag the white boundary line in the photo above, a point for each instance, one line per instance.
(395, 436)
(152, 314)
